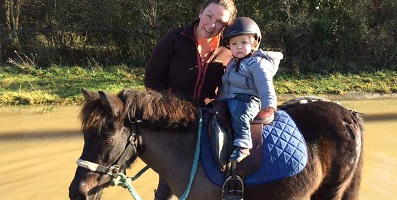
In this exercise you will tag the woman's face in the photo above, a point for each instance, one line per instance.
(212, 20)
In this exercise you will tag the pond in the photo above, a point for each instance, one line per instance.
(40, 145)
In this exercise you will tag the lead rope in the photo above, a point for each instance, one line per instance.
(125, 182)
(195, 161)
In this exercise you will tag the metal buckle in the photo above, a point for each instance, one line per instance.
(114, 170)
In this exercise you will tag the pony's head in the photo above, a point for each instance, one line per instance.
(112, 139)
(110, 144)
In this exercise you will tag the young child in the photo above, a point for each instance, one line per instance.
(247, 85)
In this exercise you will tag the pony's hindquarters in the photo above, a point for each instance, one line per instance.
(336, 134)
(343, 177)
(352, 191)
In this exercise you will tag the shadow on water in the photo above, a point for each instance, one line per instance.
(45, 135)
(380, 117)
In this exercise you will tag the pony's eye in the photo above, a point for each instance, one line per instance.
(109, 141)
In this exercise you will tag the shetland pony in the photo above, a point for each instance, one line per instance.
(166, 136)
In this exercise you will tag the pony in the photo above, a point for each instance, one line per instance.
(162, 129)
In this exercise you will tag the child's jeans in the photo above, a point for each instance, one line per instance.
(243, 109)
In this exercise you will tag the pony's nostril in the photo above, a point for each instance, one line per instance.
(83, 189)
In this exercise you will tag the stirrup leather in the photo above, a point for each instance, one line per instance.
(233, 187)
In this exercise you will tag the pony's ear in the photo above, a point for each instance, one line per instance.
(112, 103)
(123, 94)
(89, 95)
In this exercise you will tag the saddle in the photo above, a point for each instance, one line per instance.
(284, 151)
(220, 132)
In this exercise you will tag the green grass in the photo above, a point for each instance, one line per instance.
(62, 85)
(384, 81)
(59, 85)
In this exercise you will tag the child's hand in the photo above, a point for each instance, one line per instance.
(267, 115)
(267, 112)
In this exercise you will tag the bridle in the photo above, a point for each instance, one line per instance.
(115, 169)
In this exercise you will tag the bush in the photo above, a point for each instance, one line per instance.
(27, 98)
(311, 33)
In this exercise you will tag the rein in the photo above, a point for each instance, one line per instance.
(195, 159)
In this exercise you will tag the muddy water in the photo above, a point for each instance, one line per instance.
(38, 150)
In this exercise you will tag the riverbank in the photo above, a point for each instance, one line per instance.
(59, 85)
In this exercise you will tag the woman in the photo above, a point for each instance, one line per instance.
(189, 62)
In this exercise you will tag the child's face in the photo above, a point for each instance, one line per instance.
(241, 45)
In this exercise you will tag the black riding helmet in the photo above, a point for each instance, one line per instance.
(241, 26)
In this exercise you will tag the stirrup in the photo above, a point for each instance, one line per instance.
(233, 187)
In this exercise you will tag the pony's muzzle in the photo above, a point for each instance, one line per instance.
(84, 185)
(82, 192)
(77, 192)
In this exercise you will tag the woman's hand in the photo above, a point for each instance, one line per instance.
(208, 100)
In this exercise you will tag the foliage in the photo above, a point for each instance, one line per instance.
(27, 98)
(311, 33)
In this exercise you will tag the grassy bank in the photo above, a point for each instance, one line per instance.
(24, 85)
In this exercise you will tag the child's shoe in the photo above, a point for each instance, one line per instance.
(239, 154)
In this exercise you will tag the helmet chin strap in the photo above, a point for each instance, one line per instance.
(239, 60)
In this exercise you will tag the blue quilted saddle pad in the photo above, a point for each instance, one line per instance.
(284, 152)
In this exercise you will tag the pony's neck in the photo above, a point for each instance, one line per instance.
(170, 154)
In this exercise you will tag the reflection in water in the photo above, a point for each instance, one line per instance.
(381, 117)
(39, 151)
(37, 136)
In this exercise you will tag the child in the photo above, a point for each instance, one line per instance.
(247, 85)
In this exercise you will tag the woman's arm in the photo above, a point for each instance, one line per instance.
(156, 73)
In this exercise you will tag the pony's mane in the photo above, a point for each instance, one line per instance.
(302, 100)
(158, 110)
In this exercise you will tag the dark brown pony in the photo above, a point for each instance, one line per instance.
(165, 140)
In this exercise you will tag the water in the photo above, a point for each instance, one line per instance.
(39, 149)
